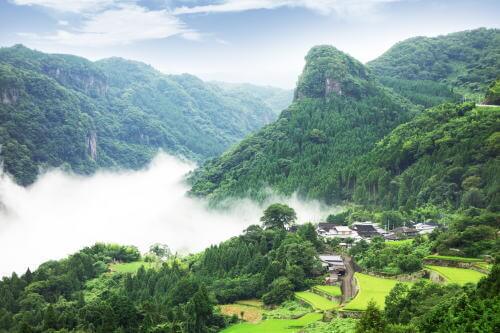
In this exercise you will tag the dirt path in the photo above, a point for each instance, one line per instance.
(348, 284)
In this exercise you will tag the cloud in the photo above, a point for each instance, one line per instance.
(342, 7)
(75, 6)
(62, 213)
(124, 24)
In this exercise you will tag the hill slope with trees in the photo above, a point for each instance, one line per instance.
(430, 71)
(63, 110)
(338, 113)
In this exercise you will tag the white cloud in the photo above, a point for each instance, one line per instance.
(124, 24)
(342, 7)
(61, 213)
(63, 22)
(75, 6)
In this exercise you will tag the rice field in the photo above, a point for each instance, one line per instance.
(370, 287)
(275, 325)
(316, 301)
(457, 275)
(330, 290)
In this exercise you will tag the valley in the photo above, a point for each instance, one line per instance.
(365, 200)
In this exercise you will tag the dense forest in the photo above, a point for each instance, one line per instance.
(465, 62)
(65, 111)
(323, 145)
(339, 113)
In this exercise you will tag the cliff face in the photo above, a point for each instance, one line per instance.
(330, 71)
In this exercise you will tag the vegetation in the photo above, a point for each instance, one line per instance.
(370, 288)
(330, 290)
(344, 325)
(465, 61)
(316, 301)
(453, 258)
(457, 275)
(275, 325)
(132, 267)
(339, 113)
(381, 257)
(493, 93)
(428, 307)
(65, 111)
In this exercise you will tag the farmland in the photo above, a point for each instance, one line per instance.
(275, 325)
(370, 287)
(316, 301)
(451, 258)
(457, 275)
(330, 290)
(131, 267)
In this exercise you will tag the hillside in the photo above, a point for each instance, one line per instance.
(63, 110)
(447, 156)
(431, 70)
(339, 112)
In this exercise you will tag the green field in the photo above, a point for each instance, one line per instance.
(316, 301)
(451, 258)
(131, 267)
(370, 287)
(399, 242)
(275, 325)
(457, 275)
(330, 290)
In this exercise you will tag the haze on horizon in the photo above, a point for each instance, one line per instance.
(256, 41)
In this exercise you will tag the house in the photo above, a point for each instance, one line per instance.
(334, 263)
(368, 229)
(401, 233)
(425, 228)
(329, 230)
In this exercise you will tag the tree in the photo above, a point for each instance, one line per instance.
(372, 320)
(281, 290)
(278, 216)
(161, 250)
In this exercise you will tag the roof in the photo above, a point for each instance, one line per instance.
(342, 228)
(404, 230)
(326, 226)
(329, 257)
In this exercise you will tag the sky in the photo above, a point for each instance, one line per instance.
(258, 41)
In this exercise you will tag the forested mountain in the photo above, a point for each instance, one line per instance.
(276, 98)
(447, 156)
(432, 70)
(63, 110)
(338, 113)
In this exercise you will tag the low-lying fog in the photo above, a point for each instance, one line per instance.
(62, 213)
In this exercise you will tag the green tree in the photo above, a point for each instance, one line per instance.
(372, 320)
(278, 216)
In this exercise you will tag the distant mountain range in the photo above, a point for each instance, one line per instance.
(65, 111)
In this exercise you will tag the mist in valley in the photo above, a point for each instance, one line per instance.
(61, 213)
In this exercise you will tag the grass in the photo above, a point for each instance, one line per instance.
(399, 242)
(451, 258)
(484, 265)
(330, 290)
(131, 267)
(457, 275)
(251, 302)
(275, 325)
(316, 301)
(370, 287)
(251, 313)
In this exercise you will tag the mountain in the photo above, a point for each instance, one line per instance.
(448, 156)
(339, 112)
(433, 70)
(276, 99)
(65, 111)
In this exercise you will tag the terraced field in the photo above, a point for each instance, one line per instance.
(275, 325)
(330, 290)
(370, 287)
(457, 275)
(316, 301)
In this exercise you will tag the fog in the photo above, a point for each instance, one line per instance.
(61, 213)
